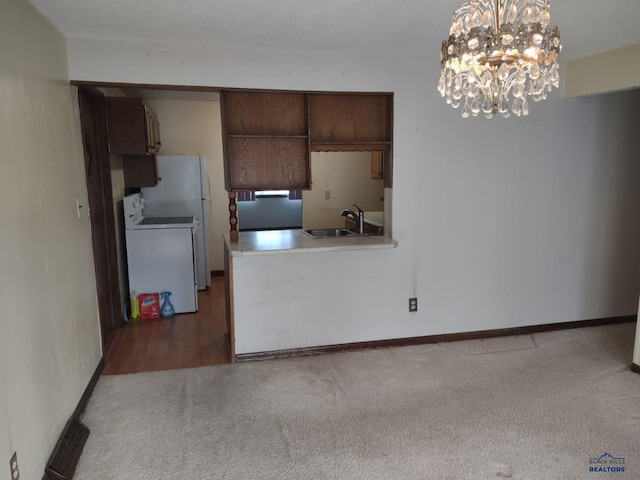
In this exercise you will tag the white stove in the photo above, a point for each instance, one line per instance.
(134, 218)
(160, 254)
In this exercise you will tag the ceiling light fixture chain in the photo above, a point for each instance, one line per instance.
(497, 55)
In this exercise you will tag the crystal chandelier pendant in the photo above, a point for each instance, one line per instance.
(498, 54)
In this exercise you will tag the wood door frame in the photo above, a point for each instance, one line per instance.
(103, 230)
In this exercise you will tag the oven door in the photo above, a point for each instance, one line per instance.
(161, 259)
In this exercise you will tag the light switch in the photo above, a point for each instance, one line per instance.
(327, 194)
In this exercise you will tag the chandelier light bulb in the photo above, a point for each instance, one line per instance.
(499, 53)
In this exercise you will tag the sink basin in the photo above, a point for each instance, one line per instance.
(340, 232)
(328, 232)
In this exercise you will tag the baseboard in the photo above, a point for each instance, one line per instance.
(635, 368)
(217, 273)
(84, 400)
(452, 337)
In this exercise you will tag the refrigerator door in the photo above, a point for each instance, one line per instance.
(180, 192)
(207, 215)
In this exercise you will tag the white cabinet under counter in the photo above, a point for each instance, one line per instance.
(287, 291)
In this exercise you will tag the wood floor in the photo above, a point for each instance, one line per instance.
(184, 341)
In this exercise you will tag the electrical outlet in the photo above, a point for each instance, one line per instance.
(13, 463)
(413, 304)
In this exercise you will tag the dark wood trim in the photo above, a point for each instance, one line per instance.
(93, 92)
(91, 104)
(84, 400)
(228, 297)
(388, 153)
(451, 337)
(244, 135)
(202, 88)
(217, 273)
(349, 146)
(146, 86)
(233, 216)
(271, 90)
(635, 368)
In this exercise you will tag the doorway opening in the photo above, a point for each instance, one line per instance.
(187, 340)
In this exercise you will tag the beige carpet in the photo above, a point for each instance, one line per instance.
(528, 407)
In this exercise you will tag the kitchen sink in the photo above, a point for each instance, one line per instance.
(327, 232)
(340, 232)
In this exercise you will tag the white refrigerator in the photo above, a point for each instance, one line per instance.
(183, 189)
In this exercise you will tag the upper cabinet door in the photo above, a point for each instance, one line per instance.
(266, 143)
(350, 121)
(132, 127)
(265, 113)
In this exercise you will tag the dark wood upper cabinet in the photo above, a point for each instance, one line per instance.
(354, 122)
(350, 121)
(139, 171)
(266, 141)
(132, 127)
(377, 165)
(268, 163)
(269, 114)
(134, 133)
(268, 136)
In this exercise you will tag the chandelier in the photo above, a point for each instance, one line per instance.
(499, 53)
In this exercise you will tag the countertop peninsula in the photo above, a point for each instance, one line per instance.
(279, 242)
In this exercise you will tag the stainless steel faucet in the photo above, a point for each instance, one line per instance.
(358, 218)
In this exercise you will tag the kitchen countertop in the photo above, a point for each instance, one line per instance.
(270, 242)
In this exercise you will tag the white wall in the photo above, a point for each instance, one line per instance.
(604, 72)
(50, 341)
(500, 223)
(193, 127)
(347, 178)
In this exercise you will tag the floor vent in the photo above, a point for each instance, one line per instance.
(63, 460)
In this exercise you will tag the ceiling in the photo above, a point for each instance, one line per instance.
(414, 27)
